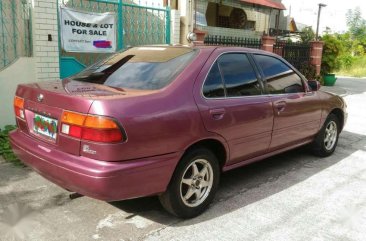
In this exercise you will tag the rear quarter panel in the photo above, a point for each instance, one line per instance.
(165, 121)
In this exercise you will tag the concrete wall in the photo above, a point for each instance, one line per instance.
(43, 66)
(21, 71)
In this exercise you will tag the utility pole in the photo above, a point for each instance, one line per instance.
(317, 23)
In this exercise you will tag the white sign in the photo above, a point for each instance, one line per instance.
(87, 32)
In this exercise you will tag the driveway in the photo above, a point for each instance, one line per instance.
(293, 196)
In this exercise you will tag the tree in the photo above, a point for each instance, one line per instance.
(356, 24)
(307, 34)
(357, 32)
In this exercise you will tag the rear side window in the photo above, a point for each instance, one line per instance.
(143, 68)
(280, 78)
(231, 74)
(214, 87)
(239, 76)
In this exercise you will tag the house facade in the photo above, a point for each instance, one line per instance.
(249, 19)
(230, 18)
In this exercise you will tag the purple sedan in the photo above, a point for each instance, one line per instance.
(167, 121)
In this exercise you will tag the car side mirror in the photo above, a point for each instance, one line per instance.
(314, 85)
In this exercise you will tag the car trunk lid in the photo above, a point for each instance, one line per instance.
(44, 103)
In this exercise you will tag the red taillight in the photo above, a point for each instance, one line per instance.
(19, 107)
(100, 135)
(74, 131)
(91, 128)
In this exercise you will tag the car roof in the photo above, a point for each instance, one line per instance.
(213, 47)
(234, 48)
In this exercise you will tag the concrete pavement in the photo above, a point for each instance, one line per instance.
(293, 196)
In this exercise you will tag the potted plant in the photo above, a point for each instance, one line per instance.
(330, 59)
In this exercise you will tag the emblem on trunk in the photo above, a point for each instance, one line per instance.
(40, 98)
(86, 148)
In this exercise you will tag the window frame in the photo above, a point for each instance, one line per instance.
(264, 79)
(255, 69)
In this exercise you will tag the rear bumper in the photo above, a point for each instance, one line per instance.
(109, 181)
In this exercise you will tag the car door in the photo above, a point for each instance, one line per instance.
(296, 110)
(229, 96)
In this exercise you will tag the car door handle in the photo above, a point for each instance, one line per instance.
(217, 114)
(280, 106)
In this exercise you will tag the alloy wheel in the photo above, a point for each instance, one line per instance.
(196, 183)
(330, 135)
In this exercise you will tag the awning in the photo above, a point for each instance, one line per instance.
(266, 3)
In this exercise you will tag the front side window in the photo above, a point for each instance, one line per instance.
(232, 75)
(281, 79)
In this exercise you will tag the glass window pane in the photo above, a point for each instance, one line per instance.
(280, 78)
(239, 76)
(143, 68)
(213, 86)
(271, 66)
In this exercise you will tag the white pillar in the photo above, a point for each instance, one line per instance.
(175, 27)
(45, 40)
(186, 19)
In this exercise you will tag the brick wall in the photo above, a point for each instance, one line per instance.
(46, 51)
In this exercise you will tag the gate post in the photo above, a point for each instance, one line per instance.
(267, 43)
(120, 25)
(167, 25)
(316, 52)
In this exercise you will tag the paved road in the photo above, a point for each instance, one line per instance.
(293, 196)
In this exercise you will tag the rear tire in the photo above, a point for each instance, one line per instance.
(326, 140)
(193, 185)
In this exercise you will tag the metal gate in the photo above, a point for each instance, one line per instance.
(296, 54)
(136, 25)
(15, 31)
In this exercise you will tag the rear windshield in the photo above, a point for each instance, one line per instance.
(144, 68)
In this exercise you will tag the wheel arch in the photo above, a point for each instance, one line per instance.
(340, 115)
(219, 149)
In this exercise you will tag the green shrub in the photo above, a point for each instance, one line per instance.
(357, 68)
(5, 148)
(308, 71)
(346, 61)
(331, 51)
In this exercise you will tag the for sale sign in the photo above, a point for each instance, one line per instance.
(87, 32)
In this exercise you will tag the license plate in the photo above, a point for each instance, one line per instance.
(45, 126)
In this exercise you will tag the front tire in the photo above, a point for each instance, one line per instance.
(327, 138)
(193, 185)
